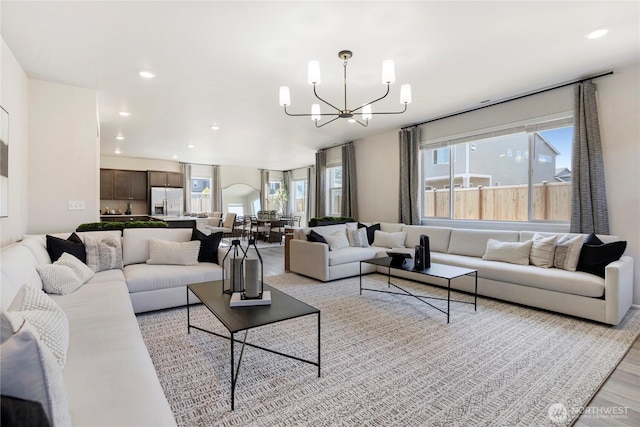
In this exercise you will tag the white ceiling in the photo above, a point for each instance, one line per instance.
(223, 62)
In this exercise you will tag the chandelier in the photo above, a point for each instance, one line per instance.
(313, 77)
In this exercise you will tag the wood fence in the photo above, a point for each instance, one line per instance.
(551, 201)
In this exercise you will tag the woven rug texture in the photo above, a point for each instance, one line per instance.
(387, 360)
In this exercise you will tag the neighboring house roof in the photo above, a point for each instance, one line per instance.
(554, 149)
(563, 175)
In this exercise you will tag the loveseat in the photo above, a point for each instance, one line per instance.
(577, 293)
(108, 377)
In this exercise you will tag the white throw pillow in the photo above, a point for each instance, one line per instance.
(42, 312)
(358, 238)
(104, 254)
(382, 239)
(173, 253)
(65, 275)
(31, 372)
(568, 252)
(337, 240)
(511, 252)
(543, 250)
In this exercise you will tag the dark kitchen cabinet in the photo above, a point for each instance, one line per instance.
(165, 179)
(106, 184)
(123, 184)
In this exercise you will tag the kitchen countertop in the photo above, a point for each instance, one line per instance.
(121, 215)
(173, 218)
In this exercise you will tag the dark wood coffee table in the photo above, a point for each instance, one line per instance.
(448, 272)
(237, 319)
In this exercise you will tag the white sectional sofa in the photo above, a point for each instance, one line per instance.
(572, 292)
(108, 378)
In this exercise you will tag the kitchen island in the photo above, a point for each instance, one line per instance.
(175, 221)
(123, 218)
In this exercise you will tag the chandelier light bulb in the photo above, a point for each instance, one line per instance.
(315, 112)
(366, 112)
(313, 73)
(388, 72)
(285, 97)
(405, 94)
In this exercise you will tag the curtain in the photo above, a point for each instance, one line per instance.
(216, 189)
(286, 182)
(321, 176)
(408, 209)
(349, 192)
(589, 213)
(311, 193)
(186, 188)
(264, 189)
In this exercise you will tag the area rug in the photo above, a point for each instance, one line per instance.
(388, 360)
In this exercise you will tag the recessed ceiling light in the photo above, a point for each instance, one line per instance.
(596, 34)
(214, 127)
(190, 145)
(351, 120)
(119, 137)
(175, 156)
(117, 151)
(124, 113)
(147, 74)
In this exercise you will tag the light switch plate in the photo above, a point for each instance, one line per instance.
(76, 205)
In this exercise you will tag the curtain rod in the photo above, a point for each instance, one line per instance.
(513, 98)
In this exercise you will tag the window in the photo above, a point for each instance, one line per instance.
(236, 208)
(334, 189)
(441, 156)
(520, 173)
(300, 195)
(200, 194)
(273, 187)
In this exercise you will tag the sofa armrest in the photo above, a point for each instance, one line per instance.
(618, 289)
(309, 258)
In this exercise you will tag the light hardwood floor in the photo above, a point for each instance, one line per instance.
(617, 403)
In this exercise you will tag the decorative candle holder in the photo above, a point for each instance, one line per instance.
(232, 274)
(253, 273)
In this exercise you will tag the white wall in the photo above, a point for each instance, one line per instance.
(63, 157)
(230, 174)
(378, 170)
(139, 164)
(619, 109)
(13, 98)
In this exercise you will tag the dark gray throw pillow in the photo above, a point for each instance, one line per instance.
(316, 237)
(72, 245)
(371, 231)
(596, 255)
(208, 245)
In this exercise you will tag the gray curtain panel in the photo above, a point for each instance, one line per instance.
(311, 192)
(321, 176)
(186, 188)
(216, 189)
(264, 188)
(349, 191)
(408, 209)
(286, 181)
(589, 213)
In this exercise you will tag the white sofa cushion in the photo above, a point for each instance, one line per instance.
(40, 311)
(103, 254)
(147, 277)
(438, 236)
(337, 240)
(173, 253)
(383, 239)
(65, 275)
(31, 372)
(135, 241)
(543, 250)
(567, 252)
(19, 268)
(511, 252)
(351, 254)
(474, 242)
(358, 238)
(553, 279)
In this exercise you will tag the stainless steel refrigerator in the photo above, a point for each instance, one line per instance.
(166, 201)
